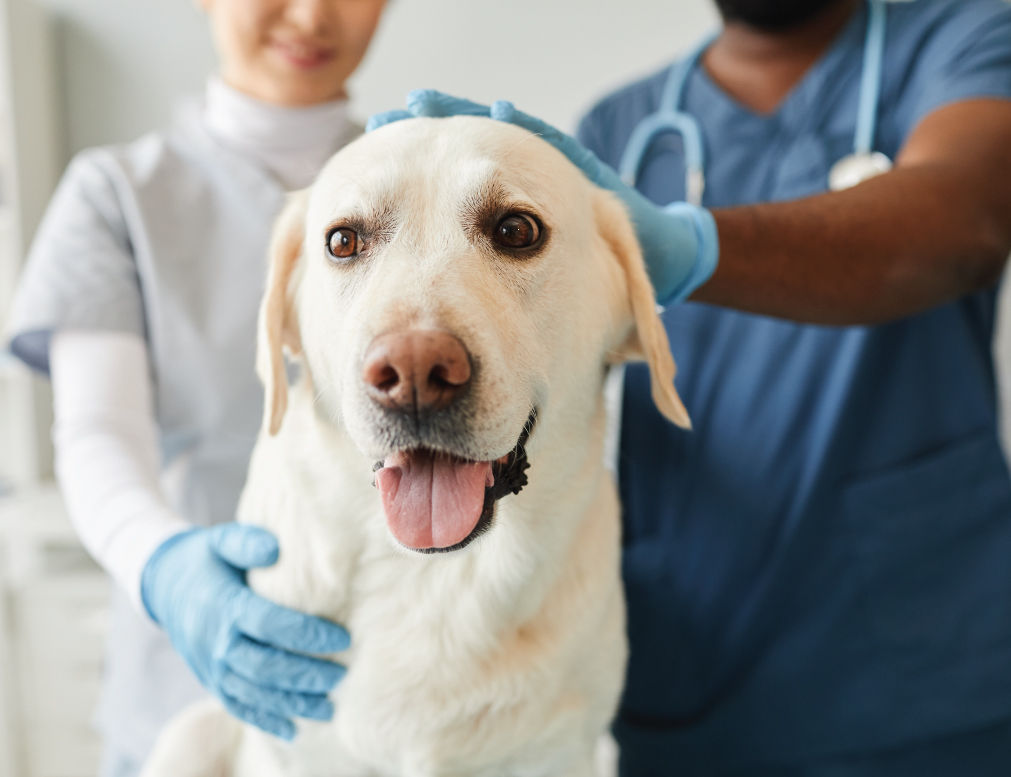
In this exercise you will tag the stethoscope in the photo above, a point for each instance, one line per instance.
(858, 166)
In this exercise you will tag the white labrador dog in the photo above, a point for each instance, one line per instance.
(453, 291)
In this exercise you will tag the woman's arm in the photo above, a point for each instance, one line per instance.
(107, 458)
(246, 650)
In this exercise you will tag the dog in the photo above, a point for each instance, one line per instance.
(451, 293)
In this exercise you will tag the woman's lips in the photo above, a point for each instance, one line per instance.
(304, 56)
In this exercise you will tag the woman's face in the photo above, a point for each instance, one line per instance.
(291, 52)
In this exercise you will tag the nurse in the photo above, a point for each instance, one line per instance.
(140, 299)
(819, 575)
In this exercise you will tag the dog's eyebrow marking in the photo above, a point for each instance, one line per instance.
(374, 220)
(490, 195)
(376, 214)
(485, 205)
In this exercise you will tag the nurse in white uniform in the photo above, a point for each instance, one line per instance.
(140, 298)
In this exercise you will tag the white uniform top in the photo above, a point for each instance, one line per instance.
(165, 239)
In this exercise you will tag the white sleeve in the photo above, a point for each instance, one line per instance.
(106, 445)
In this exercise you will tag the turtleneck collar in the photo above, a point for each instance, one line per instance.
(289, 143)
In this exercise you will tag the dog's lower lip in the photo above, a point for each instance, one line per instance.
(392, 460)
(380, 463)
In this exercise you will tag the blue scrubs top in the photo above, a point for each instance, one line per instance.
(823, 565)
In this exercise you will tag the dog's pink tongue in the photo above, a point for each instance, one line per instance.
(432, 501)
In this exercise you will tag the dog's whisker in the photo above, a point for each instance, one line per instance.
(526, 139)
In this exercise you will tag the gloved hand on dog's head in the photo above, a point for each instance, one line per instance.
(246, 650)
(679, 241)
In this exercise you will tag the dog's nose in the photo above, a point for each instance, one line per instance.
(423, 370)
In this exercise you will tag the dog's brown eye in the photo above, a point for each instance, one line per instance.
(517, 230)
(342, 243)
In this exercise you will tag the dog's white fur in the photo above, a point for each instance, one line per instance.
(505, 658)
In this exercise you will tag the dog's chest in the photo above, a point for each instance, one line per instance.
(433, 679)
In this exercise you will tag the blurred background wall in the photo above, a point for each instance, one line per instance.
(123, 63)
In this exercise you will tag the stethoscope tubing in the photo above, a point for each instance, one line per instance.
(691, 137)
(870, 78)
(670, 118)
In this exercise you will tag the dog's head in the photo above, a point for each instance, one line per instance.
(447, 284)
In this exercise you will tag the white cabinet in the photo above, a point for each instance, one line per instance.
(52, 633)
(59, 628)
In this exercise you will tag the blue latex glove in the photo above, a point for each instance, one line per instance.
(245, 649)
(679, 241)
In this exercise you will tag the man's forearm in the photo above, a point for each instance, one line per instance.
(894, 246)
(935, 228)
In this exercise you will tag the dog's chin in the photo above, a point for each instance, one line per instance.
(438, 501)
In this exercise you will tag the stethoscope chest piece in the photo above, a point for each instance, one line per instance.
(857, 168)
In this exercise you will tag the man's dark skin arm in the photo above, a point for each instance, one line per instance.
(936, 227)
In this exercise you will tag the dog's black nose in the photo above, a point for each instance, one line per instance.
(416, 369)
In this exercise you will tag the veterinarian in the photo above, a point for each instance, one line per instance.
(140, 299)
(819, 575)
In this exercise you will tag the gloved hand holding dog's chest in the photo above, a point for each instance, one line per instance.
(246, 650)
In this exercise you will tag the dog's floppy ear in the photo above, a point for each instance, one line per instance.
(647, 340)
(278, 327)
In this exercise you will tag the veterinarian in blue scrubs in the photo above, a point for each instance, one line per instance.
(819, 574)
(140, 297)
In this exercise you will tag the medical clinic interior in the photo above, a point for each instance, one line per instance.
(146, 147)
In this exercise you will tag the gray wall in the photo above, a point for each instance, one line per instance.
(121, 64)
